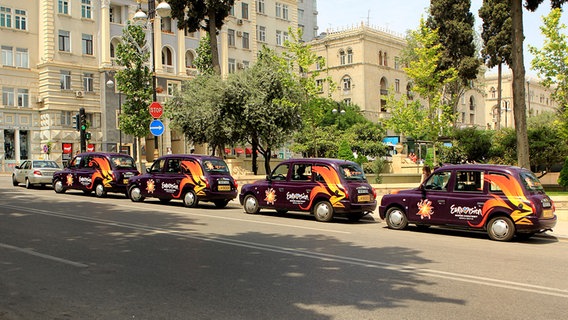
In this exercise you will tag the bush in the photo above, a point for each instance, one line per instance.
(563, 177)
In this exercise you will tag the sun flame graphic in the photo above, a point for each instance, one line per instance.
(270, 196)
(150, 186)
(331, 187)
(69, 179)
(425, 209)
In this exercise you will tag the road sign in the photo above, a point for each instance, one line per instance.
(157, 127)
(156, 110)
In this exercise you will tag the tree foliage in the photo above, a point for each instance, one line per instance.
(204, 62)
(209, 15)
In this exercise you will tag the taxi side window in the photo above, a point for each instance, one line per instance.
(469, 181)
(318, 177)
(87, 162)
(27, 165)
(493, 187)
(76, 162)
(173, 166)
(302, 172)
(157, 166)
(438, 181)
(280, 172)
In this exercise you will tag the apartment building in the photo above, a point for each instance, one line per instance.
(308, 19)
(58, 56)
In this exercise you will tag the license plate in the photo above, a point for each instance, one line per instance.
(224, 188)
(364, 198)
(547, 213)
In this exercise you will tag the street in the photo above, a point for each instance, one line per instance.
(71, 256)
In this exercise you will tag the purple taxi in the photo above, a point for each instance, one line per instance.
(322, 187)
(502, 200)
(190, 178)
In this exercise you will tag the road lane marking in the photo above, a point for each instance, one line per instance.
(42, 255)
(479, 280)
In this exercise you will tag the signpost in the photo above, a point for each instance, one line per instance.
(156, 110)
(157, 127)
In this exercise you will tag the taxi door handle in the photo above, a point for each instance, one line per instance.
(442, 201)
(281, 189)
(480, 204)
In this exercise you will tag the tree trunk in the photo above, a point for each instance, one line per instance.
(267, 156)
(519, 106)
(499, 81)
(254, 146)
(213, 38)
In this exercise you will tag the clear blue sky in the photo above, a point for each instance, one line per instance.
(399, 16)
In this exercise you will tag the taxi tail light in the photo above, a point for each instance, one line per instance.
(37, 173)
(533, 208)
(236, 184)
(204, 179)
(374, 193)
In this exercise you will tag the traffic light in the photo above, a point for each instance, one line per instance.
(82, 120)
(87, 136)
(77, 122)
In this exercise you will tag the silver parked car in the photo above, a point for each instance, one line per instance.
(34, 172)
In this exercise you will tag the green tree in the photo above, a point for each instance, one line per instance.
(197, 112)
(455, 22)
(345, 151)
(496, 36)
(468, 145)
(547, 145)
(204, 62)
(551, 62)
(190, 15)
(132, 81)
(563, 177)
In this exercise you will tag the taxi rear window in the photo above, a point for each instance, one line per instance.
(352, 172)
(531, 182)
(122, 162)
(215, 165)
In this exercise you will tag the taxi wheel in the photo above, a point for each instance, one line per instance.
(220, 204)
(14, 181)
(501, 229)
(28, 184)
(323, 211)
(58, 186)
(396, 218)
(190, 199)
(251, 205)
(135, 194)
(100, 190)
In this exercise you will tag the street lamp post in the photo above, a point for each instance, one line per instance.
(163, 10)
(110, 85)
(340, 111)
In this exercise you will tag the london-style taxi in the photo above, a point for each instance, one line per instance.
(323, 187)
(502, 200)
(188, 177)
(100, 172)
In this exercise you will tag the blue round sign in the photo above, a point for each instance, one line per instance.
(157, 127)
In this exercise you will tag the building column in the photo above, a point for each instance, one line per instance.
(105, 33)
(17, 145)
(181, 52)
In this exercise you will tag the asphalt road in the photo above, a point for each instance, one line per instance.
(70, 256)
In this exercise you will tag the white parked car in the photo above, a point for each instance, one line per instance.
(34, 172)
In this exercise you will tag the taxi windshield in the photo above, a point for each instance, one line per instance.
(215, 165)
(352, 172)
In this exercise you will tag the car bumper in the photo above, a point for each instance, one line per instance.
(349, 207)
(538, 225)
(40, 179)
(219, 195)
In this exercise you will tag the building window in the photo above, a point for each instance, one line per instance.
(245, 10)
(87, 43)
(246, 40)
(472, 103)
(260, 6)
(189, 57)
(319, 85)
(232, 66)
(7, 56)
(246, 64)
(23, 98)
(88, 82)
(341, 57)
(65, 80)
(285, 37)
(172, 88)
(346, 81)
(86, 9)
(319, 63)
(349, 55)
(261, 33)
(493, 91)
(347, 101)
(5, 17)
(21, 19)
(115, 14)
(278, 37)
(64, 41)
(167, 60)
(166, 25)
(8, 96)
(285, 11)
(67, 118)
(397, 85)
(231, 37)
(63, 7)
(22, 58)
(300, 14)
(278, 10)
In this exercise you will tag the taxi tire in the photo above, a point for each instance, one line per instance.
(250, 204)
(501, 229)
(323, 211)
(100, 191)
(135, 194)
(396, 218)
(190, 199)
(58, 186)
(28, 184)
(14, 181)
(220, 204)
